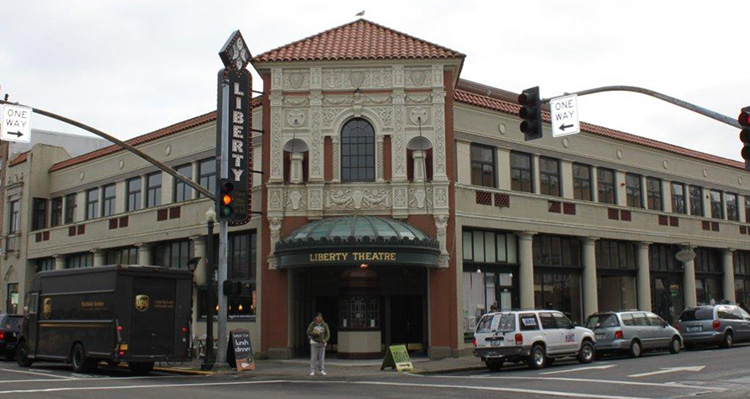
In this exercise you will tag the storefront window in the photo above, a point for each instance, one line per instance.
(360, 312)
(559, 291)
(742, 276)
(616, 267)
(666, 296)
(708, 270)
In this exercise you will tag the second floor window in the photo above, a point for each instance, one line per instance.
(482, 165)
(134, 194)
(733, 211)
(582, 182)
(696, 201)
(110, 195)
(653, 189)
(357, 151)
(39, 214)
(153, 189)
(183, 192)
(717, 210)
(521, 172)
(207, 174)
(92, 203)
(15, 217)
(606, 185)
(56, 205)
(633, 190)
(71, 204)
(549, 176)
(678, 197)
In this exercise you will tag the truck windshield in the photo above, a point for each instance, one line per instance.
(604, 320)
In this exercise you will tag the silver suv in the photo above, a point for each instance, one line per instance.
(536, 337)
(714, 324)
(632, 332)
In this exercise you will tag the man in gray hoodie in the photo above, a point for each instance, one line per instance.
(319, 334)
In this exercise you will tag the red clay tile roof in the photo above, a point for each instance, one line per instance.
(163, 132)
(358, 40)
(19, 159)
(480, 95)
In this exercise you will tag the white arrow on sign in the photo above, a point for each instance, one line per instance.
(564, 115)
(16, 124)
(608, 366)
(669, 370)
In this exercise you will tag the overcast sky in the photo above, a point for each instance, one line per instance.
(131, 67)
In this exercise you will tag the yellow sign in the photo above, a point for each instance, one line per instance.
(397, 357)
(352, 256)
(141, 303)
(47, 308)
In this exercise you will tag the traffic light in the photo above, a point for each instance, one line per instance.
(225, 200)
(531, 113)
(744, 120)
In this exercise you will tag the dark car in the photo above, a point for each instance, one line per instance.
(10, 328)
(721, 325)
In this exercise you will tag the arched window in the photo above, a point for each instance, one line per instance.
(357, 151)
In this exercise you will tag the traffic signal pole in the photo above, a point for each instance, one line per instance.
(223, 235)
(672, 100)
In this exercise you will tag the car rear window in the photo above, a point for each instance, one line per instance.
(604, 320)
(697, 314)
(497, 322)
(484, 324)
(12, 323)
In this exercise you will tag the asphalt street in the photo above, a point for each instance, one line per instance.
(714, 373)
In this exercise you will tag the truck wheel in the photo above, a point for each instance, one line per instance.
(141, 368)
(81, 363)
(635, 349)
(586, 353)
(22, 355)
(675, 346)
(537, 357)
(494, 365)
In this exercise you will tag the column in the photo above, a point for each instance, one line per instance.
(728, 263)
(643, 283)
(687, 257)
(295, 168)
(526, 269)
(336, 158)
(144, 254)
(535, 173)
(59, 262)
(594, 184)
(419, 166)
(199, 250)
(590, 295)
(379, 158)
(98, 257)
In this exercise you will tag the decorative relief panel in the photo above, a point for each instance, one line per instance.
(438, 112)
(421, 77)
(418, 98)
(316, 148)
(385, 114)
(296, 118)
(277, 148)
(274, 198)
(363, 78)
(399, 197)
(370, 199)
(441, 197)
(296, 79)
(296, 101)
(329, 115)
(419, 116)
(399, 146)
(315, 198)
(296, 199)
(420, 198)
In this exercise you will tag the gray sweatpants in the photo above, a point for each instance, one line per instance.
(317, 358)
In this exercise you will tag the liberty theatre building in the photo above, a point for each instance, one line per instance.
(402, 202)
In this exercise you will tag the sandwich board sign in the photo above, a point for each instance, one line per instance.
(397, 357)
(16, 123)
(564, 115)
(243, 350)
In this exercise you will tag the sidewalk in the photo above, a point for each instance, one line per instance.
(334, 367)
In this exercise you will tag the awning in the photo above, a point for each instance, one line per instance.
(357, 240)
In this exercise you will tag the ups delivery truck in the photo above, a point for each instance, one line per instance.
(133, 314)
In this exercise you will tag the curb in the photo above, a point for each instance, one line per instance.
(183, 371)
(447, 371)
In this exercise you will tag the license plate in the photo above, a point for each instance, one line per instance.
(496, 342)
(600, 336)
(694, 328)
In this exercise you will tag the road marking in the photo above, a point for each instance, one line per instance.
(397, 384)
(568, 379)
(102, 378)
(46, 374)
(668, 370)
(608, 366)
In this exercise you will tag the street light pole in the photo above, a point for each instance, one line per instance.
(223, 236)
(210, 357)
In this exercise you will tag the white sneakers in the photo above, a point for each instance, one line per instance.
(321, 373)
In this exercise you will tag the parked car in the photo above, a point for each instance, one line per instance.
(632, 332)
(721, 325)
(10, 328)
(536, 337)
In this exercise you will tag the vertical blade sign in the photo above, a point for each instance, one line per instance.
(239, 161)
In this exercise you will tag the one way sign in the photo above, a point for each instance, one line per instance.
(564, 113)
(16, 124)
